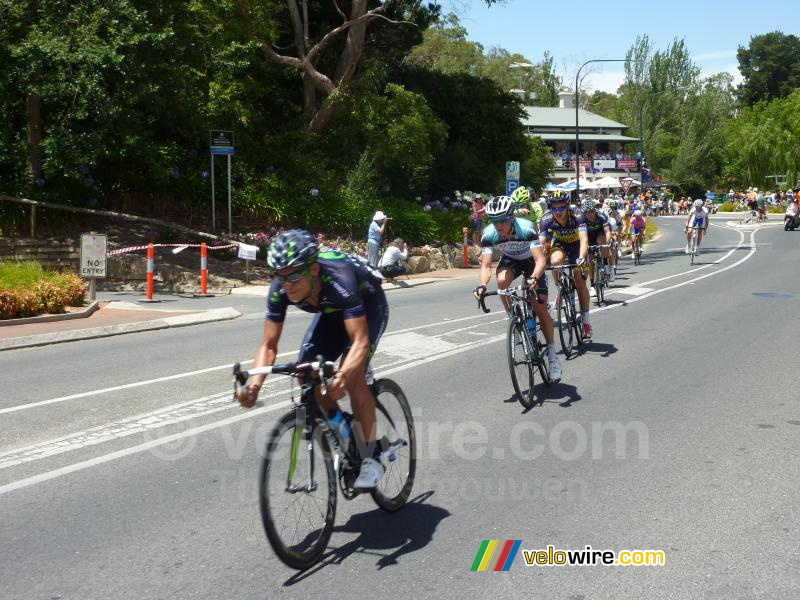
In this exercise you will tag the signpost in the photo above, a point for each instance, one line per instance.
(627, 183)
(512, 176)
(221, 143)
(93, 260)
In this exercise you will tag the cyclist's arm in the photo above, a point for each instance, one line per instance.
(486, 267)
(540, 261)
(265, 355)
(583, 237)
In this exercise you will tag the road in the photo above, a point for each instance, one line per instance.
(126, 472)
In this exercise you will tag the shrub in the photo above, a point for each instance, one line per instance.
(26, 290)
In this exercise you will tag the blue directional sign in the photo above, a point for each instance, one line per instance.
(221, 142)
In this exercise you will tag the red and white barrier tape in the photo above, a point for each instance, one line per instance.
(138, 248)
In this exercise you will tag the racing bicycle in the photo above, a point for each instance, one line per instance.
(600, 278)
(305, 460)
(570, 321)
(526, 347)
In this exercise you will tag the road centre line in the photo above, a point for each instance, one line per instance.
(244, 362)
(23, 483)
(42, 477)
(134, 384)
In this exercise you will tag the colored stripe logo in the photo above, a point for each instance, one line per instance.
(495, 555)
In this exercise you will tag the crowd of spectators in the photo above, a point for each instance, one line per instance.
(594, 156)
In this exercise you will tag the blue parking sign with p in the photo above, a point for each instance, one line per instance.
(511, 185)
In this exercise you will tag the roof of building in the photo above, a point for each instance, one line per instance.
(540, 116)
(585, 137)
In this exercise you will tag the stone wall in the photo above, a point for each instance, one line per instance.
(423, 259)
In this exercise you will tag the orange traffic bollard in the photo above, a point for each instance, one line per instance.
(150, 264)
(203, 269)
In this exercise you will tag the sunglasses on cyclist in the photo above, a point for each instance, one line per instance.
(502, 220)
(558, 208)
(291, 277)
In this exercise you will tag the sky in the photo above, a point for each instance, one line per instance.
(581, 30)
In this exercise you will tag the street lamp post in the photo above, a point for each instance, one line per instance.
(577, 103)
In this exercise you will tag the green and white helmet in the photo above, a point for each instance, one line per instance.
(521, 195)
(293, 248)
(587, 204)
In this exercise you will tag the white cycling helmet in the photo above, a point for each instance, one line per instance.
(698, 203)
(500, 207)
(637, 213)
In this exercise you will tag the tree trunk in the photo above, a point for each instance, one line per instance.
(33, 113)
(309, 96)
(322, 117)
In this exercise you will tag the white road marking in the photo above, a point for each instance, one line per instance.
(632, 290)
(144, 382)
(456, 349)
(98, 460)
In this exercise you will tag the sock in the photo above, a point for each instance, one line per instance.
(585, 316)
(551, 350)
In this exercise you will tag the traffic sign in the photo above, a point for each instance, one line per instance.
(627, 183)
(221, 142)
(511, 185)
(93, 255)
(512, 169)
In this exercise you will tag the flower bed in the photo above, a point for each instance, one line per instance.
(27, 290)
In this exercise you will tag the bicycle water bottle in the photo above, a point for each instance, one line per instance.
(338, 423)
(531, 323)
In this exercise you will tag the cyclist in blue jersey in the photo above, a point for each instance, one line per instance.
(351, 315)
(518, 239)
(565, 231)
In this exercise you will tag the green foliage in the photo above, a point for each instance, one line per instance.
(27, 290)
(770, 65)
(539, 163)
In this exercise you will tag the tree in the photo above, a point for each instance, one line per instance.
(313, 46)
(603, 103)
(770, 66)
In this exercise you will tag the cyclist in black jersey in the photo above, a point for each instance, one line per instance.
(351, 315)
(599, 231)
(565, 230)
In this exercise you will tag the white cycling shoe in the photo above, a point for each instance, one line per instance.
(554, 368)
(369, 475)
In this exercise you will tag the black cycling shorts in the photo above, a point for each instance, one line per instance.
(523, 267)
(327, 334)
(573, 251)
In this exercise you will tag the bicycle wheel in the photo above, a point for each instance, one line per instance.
(541, 354)
(395, 428)
(576, 318)
(519, 363)
(565, 331)
(297, 488)
(599, 283)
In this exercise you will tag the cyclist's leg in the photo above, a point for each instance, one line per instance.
(325, 336)
(556, 258)
(361, 397)
(580, 281)
(699, 236)
(506, 273)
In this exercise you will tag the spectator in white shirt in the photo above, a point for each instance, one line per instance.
(390, 262)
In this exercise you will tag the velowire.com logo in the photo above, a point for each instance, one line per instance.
(495, 555)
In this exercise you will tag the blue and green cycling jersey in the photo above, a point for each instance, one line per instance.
(516, 246)
(347, 284)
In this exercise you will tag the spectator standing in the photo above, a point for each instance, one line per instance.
(375, 234)
(390, 262)
(477, 218)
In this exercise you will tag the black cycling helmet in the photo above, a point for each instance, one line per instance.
(293, 248)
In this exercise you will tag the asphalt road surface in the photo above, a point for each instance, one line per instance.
(127, 472)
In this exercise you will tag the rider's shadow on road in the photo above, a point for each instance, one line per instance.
(562, 393)
(405, 531)
(603, 350)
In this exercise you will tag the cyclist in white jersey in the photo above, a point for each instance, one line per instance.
(518, 239)
(697, 219)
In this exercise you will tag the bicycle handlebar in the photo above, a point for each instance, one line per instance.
(515, 292)
(324, 369)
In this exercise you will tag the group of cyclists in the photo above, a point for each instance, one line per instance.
(351, 311)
